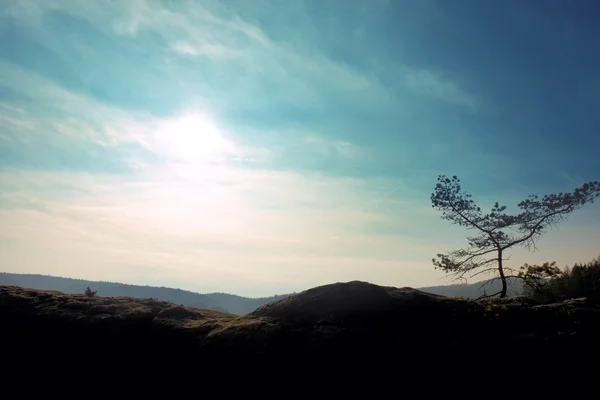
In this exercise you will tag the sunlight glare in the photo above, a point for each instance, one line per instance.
(194, 138)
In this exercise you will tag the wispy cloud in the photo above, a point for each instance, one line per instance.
(328, 146)
(428, 83)
(228, 221)
(213, 30)
(208, 214)
(212, 51)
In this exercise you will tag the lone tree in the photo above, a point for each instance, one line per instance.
(89, 292)
(498, 231)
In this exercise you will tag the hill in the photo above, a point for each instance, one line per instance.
(326, 333)
(223, 302)
(212, 301)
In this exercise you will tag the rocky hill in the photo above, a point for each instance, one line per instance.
(354, 327)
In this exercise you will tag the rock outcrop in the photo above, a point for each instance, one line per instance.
(355, 326)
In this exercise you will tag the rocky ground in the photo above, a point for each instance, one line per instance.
(354, 327)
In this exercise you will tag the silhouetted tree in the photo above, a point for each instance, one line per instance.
(497, 230)
(89, 292)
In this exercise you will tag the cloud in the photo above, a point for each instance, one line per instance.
(428, 83)
(212, 51)
(212, 29)
(46, 126)
(214, 56)
(222, 227)
(168, 214)
(297, 73)
(272, 225)
(327, 146)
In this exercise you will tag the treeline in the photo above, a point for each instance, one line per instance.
(581, 280)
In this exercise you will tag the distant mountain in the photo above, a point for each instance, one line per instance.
(474, 290)
(212, 301)
(223, 302)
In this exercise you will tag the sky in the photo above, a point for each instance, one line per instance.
(262, 147)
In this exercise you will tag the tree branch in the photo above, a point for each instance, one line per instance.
(533, 229)
(488, 295)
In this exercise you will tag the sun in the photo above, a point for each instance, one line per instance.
(194, 138)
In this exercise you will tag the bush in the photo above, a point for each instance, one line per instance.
(89, 292)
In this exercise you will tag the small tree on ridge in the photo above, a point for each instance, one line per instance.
(89, 292)
(498, 231)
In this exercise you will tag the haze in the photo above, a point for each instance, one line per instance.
(262, 147)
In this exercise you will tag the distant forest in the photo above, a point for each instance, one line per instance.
(212, 301)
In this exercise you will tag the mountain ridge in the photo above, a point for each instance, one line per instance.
(217, 301)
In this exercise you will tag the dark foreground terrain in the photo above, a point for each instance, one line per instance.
(323, 333)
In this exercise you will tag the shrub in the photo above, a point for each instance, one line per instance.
(89, 292)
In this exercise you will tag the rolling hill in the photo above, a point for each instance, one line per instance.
(223, 302)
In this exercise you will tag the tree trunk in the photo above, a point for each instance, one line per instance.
(502, 277)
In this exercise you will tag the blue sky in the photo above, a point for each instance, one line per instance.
(262, 147)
